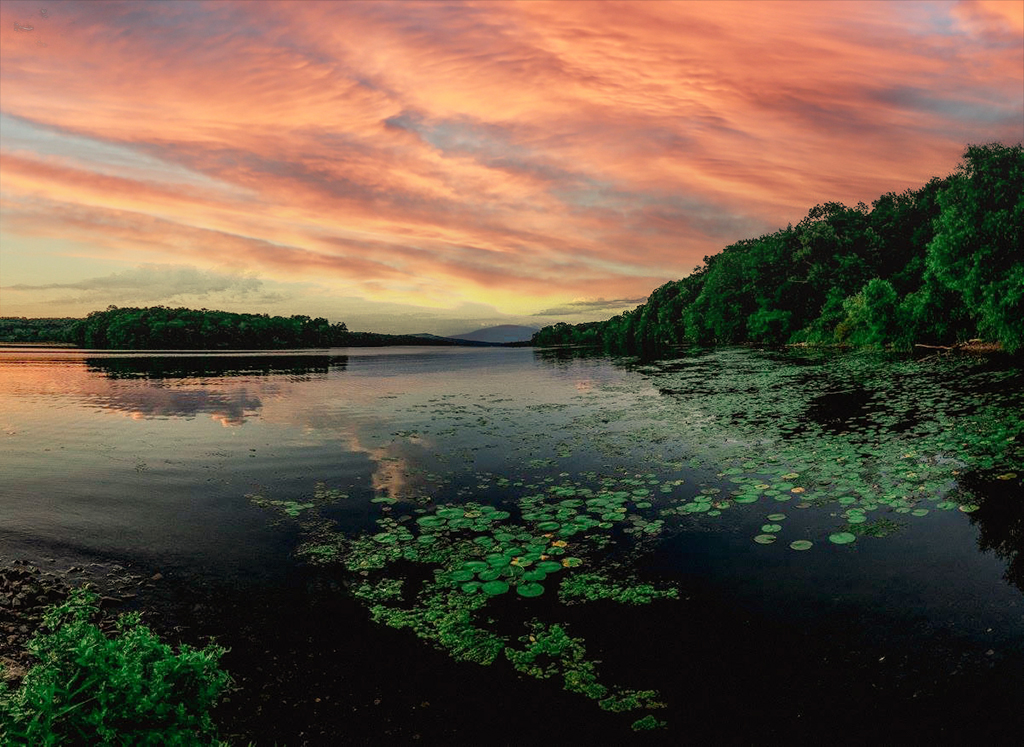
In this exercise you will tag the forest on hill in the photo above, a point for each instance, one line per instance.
(938, 265)
(159, 327)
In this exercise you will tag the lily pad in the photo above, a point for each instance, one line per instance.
(494, 588)
(529, 590)
(842, 538)
(765, 539)
(801, 544)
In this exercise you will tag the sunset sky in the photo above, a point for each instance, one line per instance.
(441, 166)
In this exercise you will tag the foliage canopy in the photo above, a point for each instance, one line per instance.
(940, 264)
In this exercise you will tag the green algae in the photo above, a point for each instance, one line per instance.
(549, 651)
(289, 508)
(647, 723)
(383, 590)
(591, 587)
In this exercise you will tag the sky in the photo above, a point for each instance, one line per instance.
(441, 166)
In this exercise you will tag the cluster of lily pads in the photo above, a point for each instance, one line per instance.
(736, 431)
(758, 420)
(475, 551)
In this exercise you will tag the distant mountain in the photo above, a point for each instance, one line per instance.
(498, 334)
(428, 338)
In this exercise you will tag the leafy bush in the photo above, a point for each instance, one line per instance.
(127, 689)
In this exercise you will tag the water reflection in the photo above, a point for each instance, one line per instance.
(209, 366)
(1000, 521)
(228, 388)
(563, 357)
(229, 408)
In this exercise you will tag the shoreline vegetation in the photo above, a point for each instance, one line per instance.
(938, 267)
(163, 328)
(77, 666)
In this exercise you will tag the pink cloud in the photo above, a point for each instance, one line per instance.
(537, 150)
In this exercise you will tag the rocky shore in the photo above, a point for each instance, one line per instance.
(27, 590)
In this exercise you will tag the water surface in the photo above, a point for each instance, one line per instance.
(892, 563)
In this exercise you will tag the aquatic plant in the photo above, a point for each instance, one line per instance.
(861, 445)
(128, 688)
(593, 586)
(548, 651)
(473, 553)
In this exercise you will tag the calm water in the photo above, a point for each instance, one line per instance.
(185, 463)
(150, 457)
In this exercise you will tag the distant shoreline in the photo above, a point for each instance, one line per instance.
(162, 328)
(64, 345)
(157, 351)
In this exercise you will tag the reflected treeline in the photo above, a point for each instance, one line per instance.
(203, 366)
(568, 354)
(1000, 520)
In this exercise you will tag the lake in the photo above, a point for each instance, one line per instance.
(464, 544)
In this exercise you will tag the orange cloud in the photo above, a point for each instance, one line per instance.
(522, 154)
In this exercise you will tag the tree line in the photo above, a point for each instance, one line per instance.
(159, 327)
(24, 329)
(938, 265)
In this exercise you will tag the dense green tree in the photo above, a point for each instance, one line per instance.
(937, 265)
(21, 329)
(977, 249)
(159, 327)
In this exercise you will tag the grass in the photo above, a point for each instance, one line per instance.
(129, 688)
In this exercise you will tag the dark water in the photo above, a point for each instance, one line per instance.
(913, 632)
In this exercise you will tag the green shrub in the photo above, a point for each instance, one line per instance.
(126, 689)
